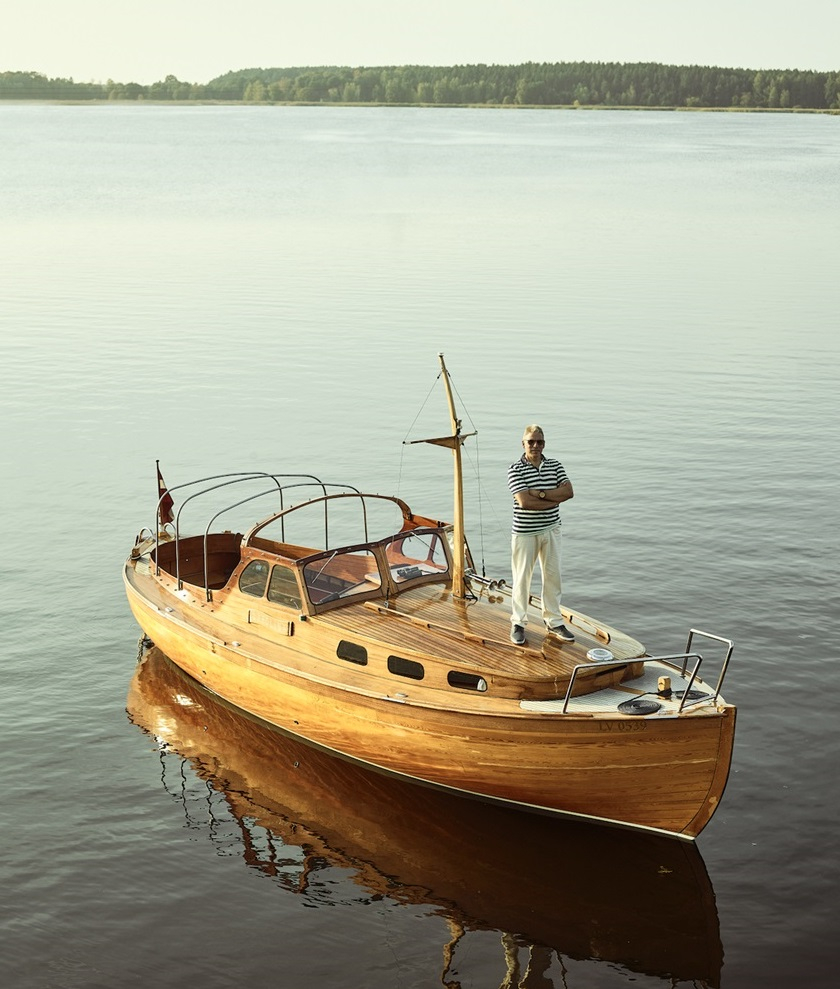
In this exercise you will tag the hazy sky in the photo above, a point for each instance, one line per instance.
(196, 40)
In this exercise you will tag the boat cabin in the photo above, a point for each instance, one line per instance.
(309, 579)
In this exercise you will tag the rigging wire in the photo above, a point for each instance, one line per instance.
(476, 465)
(482, 493)
(413, 424)
(473, 460)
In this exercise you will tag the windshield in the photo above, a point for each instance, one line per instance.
(410, 556)
(416, 554)
(340, 574)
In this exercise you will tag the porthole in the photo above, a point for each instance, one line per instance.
(466, 681)
(405, 668)
(352, 652)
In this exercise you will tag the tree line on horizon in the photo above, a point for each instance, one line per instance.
(637, 84)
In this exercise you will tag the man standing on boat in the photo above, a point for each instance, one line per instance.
(539, 485)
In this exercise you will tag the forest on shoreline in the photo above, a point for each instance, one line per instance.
(561, 84)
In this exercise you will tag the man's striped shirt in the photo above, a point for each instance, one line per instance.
(521, 475)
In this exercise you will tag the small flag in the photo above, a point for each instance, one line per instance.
(164, 499)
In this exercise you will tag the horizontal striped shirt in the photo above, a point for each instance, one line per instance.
(522, 475)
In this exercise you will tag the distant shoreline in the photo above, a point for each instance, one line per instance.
(426, 106)
(529, 85)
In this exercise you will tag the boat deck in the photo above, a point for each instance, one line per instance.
(646, 686)
(479, 631)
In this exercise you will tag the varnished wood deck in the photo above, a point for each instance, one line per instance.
(476, 634)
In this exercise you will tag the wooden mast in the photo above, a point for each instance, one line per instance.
(459, 583)
(454, 442)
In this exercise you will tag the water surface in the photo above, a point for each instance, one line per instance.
(226, 288)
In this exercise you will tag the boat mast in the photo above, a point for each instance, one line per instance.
(454, 442)
(459, 586)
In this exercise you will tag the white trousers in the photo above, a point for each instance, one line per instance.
(526, 548)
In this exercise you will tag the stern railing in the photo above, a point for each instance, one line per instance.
(226, 480)
(683, 657)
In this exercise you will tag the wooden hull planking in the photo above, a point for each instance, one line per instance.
(543, 880)
(664, 774)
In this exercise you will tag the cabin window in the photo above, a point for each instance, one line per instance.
(466, 681)
(340, 574)
(283, 588)
(253, 578)
(416, 554)
(352, 653)
(406, 668)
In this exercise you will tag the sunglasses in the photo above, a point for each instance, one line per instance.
(535, 442)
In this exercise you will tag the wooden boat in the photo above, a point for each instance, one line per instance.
(297, 815)
(389, 649)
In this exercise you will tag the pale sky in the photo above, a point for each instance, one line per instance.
(196, 40)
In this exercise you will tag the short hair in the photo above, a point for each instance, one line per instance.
(534, 428)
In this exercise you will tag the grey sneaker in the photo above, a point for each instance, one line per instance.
(517, 635)
(562, 633)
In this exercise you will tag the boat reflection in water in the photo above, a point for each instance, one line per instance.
(583, 891)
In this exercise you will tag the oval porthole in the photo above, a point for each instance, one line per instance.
(352, 652)
(466, 681)
(405, 668)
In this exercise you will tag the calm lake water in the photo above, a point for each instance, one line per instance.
(229, 288)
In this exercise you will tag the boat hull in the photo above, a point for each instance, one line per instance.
(661, 774)
(544, 881)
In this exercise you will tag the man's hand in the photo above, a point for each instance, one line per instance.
(530, 499)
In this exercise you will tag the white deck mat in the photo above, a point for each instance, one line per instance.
(606, 701)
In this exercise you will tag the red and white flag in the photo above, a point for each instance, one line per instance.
(164, 499)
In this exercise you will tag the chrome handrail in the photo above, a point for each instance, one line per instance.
(237, 479)
(238, 476)
(685, 657)
(696, 631)
(301, 480)
(615, 663)
(208, 593)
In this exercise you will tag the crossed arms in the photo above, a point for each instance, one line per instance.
(529, 498)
